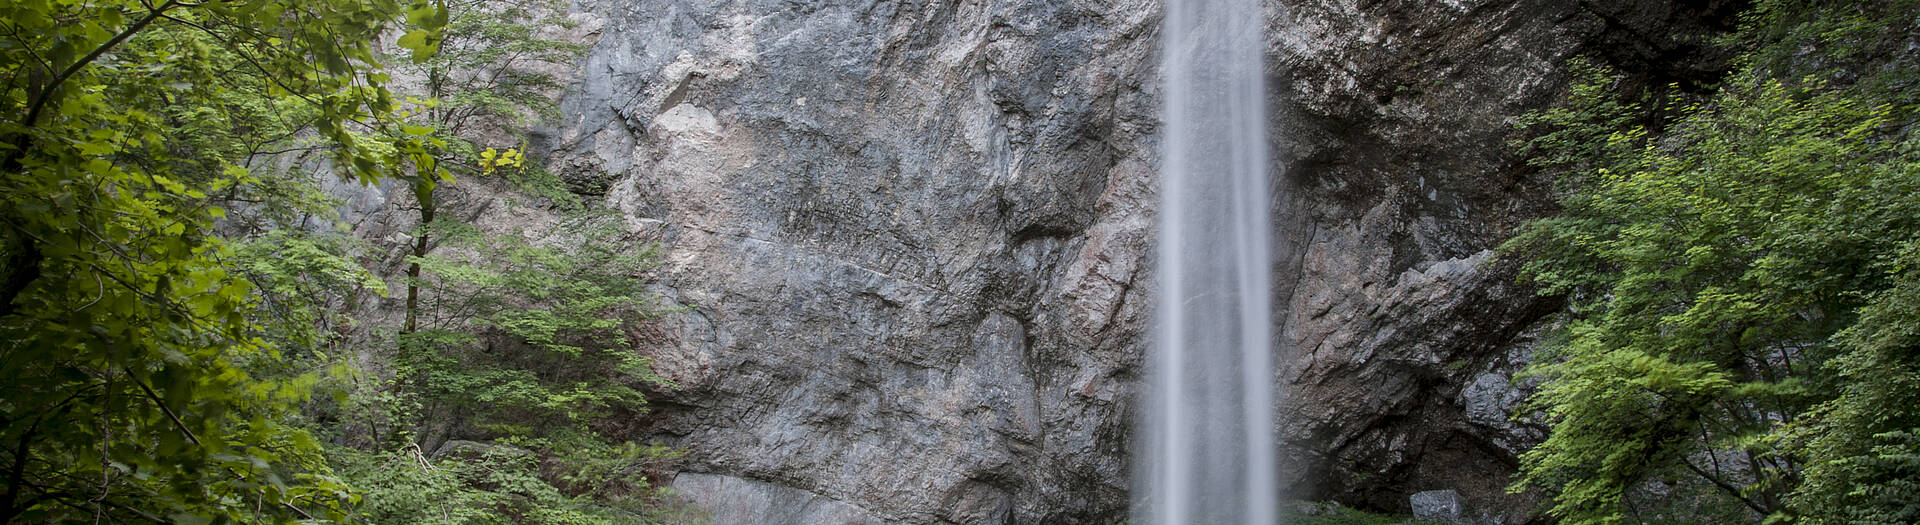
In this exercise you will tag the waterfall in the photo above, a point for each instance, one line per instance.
(1207, 453)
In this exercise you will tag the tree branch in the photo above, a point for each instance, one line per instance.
(162, 404)
(1723, 486)
(40, 99)
(17, 473)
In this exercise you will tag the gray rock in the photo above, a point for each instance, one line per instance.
(1444, 506)
(911, 236)
(910, 241)
(730, 500)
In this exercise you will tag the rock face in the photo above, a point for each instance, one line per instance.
(729, 499)
(1442, 506)
(910, 236)
(911, 240)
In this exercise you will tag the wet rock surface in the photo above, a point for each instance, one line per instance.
(911, 241)
(727, 499)
(1441, 506)
(910, 237)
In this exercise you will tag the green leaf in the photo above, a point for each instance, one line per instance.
(424, 44)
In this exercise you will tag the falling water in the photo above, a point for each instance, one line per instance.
(1207, 454)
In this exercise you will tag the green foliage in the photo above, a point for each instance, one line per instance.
(1736, 284)
(306, 284)
(525, 336)
(491, 78)
(1865, 43)
(171, 297)
(1863, 446)
(404, 487)
(486, 81)
(505, 339)
(138, 383)
(615, 474)
(491, 69)
(471, 484)
(526, 344)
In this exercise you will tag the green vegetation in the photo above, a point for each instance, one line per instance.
(185, 337)
(131, 357)
(1741, 286)
(529, 338)
(183, 333)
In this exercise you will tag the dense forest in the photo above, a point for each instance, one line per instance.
(1741, 266)
(192, 337)
(188, 333)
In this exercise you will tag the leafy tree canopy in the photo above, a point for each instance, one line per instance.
(1741, 338)
(127, 345)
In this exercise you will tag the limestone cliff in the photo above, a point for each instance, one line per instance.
(911, 238)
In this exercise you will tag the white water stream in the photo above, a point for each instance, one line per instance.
(1207, 447)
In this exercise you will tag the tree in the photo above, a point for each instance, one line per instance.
(125, 336)
(1738, 334)
(525, 339)
(485, 79)
(520, 340)
(1862, 447)
(526, 346)
(484, 76)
